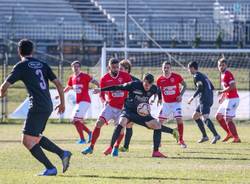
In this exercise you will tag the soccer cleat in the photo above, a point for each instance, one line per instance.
(236, 140)
(81, 141)
(229, 136)
(215, 139)
(158, 154)
(66, 160)
(203, 139)
(108, 151)
(88, 150)
(115, 152)
(176, 134)
(49, 172)
(123, 149)
(90, 137)
(182, 144)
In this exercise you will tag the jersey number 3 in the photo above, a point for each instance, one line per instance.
(42, 81)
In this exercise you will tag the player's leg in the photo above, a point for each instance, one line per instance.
(128, 136)
(211, 127)
(230, 114)
(197, 118)
(77, 118)
(84, 106)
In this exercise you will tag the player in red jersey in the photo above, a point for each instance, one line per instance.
(113, 101)
(229, 101)
(79, 82)
(169, 84)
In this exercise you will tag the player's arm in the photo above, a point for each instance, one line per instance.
(199, 88)
(3, 88)
(95, 82)
(124, 87)
(159, 96)
(231, 86)
(184, 87)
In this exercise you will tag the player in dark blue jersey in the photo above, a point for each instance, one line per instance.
(139, 95)
(204, 88)
(36, 75)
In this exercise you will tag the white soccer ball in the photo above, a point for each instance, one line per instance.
(143, 109)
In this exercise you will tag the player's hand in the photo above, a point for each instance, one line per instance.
(96, 91)
(179, 98)
(221, 100)
(219, 93)
(56, 97)
(190, 100)
(60, 108)
(159, 102)
(152, 101)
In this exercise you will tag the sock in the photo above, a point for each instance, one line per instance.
(79, 129)
(116, 135)
(95, 136)
(38, 153)
(201, 127)
(50, 146)
(180, 128)
(119, 140)
(223, 124)
(211, 127)
(129, 133)
(85, 128)
(157, 139)
(232, 129)
(166, 129)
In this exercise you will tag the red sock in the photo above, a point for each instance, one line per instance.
(95, 136)
(180, 128)
(119, 140)
(79, 128)
(232, 128)
(223, 124)
(85, 128)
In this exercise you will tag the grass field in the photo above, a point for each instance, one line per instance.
(199, 163)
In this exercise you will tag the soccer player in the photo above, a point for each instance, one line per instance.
(139, 94)
(113, 103)
(79, 82)
(204, 88)
(169, 84)
(229, 101)
(35, 75)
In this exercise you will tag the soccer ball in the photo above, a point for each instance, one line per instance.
(143, 109)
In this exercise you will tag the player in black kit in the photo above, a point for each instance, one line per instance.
(36, 75)
(139, 94)
(204, 88)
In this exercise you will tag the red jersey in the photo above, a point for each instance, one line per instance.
(80, 84)
(170, 87)
(227, 78)
(115, 98)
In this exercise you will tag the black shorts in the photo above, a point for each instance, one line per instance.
(35, 123)
(136, 118)
(203, 108)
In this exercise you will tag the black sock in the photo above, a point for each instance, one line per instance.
(166, 129)
(157, 139)
(201, 127)
(211, 127)
(50, 146)
(115, 135)
(129, 133)
(38, 153)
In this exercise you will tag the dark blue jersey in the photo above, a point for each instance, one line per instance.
(204, 88)
(137, 94)
(134, 78)
(35, 75)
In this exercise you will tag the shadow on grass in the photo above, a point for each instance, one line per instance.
(207, 158)
(137, 178)
(217, 153)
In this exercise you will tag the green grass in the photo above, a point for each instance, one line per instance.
(199, 163)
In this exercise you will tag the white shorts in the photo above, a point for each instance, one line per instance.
(80, 110)
(110, 113)
(170, 108)
(228, 107)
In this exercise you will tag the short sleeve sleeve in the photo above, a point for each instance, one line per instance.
(89, 78)
(180, 79)
(229, 78)
(15, 74)
(50, 74)
(69, 83)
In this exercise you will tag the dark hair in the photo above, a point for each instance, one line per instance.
(113, 61)
(222, 60)
(76, 62)
(126, 64)
(25, 47)
(193, 64)
(148, 77)
(166, 63)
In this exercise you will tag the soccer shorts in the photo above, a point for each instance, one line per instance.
(110, 113)
(35, 123)
(80, 110)
(228, 107)
(170, 108)
(204, 108)
(136, 118)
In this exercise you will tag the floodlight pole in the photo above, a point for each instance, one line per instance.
(126, 30)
